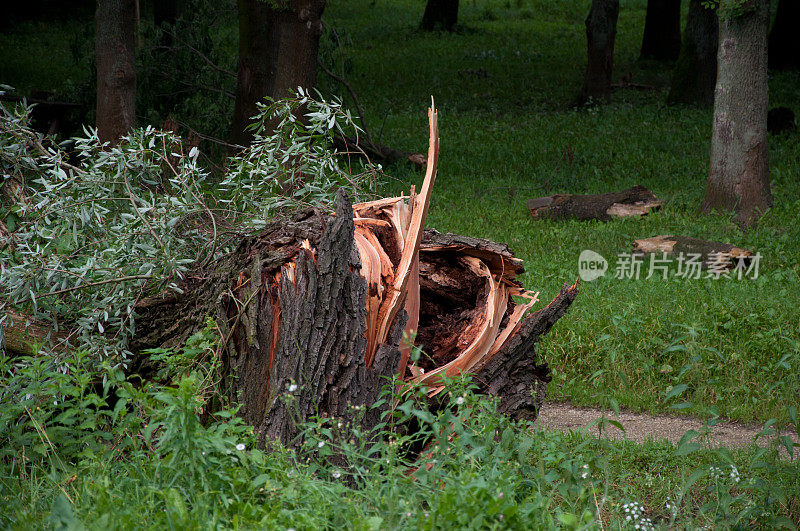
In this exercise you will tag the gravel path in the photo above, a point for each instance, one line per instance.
(640, 427)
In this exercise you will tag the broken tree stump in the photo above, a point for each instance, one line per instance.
(633, 202)
(311, 312)
(317, 306)
(710, 253)
(292, 306)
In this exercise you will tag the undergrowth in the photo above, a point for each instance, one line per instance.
(82, 447)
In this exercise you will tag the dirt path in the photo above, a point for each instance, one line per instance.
(640, 427)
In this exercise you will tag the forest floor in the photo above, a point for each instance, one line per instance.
(642, 427)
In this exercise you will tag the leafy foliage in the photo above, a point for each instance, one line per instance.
(92, 236)
(76, 451)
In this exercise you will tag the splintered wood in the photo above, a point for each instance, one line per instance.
(459, 301)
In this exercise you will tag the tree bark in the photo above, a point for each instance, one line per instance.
(294, 314)
(633, 202)
(662, 30)
(115, 25)
(784, 40)
(440, 14)
(278, 45)
(738, 178)
(601, 30)
(695, 72)
(710, 253)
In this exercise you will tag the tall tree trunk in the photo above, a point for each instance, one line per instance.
(278, 44)
(738, 178)
(601, 30)
(662, 30)
(784, 39)
(440, 14)
(115, 23)
(695, 73)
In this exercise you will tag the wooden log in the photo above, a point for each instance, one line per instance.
(21, 334)
(633, 202)
(711, 253)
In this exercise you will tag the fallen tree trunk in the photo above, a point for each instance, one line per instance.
(633, 202)
(312, 312)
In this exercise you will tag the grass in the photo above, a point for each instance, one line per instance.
(149, 463)
(507, 137)
(512, 136)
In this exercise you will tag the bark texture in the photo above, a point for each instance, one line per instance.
(695, 72)
(278, 45)
(711, 253)
(784, 39)
(291, 306)
(636, 201)
(115, 26)
(601, 30)
(440, 14)
(738, 177)
(662, 30)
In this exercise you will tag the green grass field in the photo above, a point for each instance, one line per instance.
(512, 136)
(503, 84)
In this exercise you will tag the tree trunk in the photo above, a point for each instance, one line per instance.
(784, 41)
(440, 14)
(695, 72)
(738, 178)
(662, 30)
(278, 44)
(115, 24)
(601, 30)
(294, 314)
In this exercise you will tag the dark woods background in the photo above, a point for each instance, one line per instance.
(185, 65)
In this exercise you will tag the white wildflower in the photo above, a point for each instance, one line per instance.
(240, 447)
(336, 474)
(292, 388)
(320, 444)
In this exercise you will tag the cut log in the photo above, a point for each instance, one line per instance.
(711, 253)
(633, 202)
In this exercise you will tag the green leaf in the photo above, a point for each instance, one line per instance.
(675, 391)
